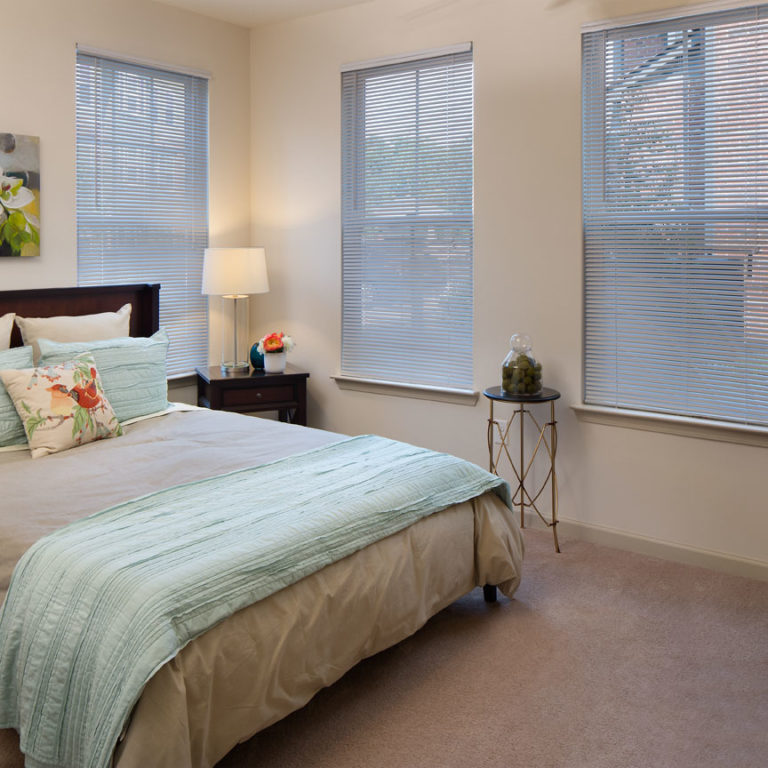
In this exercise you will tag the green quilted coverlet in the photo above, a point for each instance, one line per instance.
(95, 608)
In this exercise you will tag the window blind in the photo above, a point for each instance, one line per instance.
(142, 191)
(407, 157)
(675, 196)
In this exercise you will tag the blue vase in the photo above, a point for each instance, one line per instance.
(257, 359)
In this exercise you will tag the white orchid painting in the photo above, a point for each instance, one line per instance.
(19, 195)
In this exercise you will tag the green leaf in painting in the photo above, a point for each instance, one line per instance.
(18, 220)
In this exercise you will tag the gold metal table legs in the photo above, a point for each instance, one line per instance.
(547, 437)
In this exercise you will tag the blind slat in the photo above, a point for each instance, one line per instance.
(142, 190)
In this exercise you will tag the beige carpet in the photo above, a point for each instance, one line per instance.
(604, 660)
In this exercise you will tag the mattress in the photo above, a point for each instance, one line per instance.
(270, 658)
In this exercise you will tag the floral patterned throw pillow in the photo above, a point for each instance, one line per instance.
(61, 406)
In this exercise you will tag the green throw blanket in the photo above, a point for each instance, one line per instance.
(95, 608)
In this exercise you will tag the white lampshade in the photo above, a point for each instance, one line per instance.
(234, 271)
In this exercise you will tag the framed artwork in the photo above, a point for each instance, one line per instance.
(19, 195)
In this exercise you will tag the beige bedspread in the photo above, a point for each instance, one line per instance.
(271, 658)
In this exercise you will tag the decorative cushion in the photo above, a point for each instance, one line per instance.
(131, 369)
(6, 326)
(104, 325)
(11, 428)
(61, 406)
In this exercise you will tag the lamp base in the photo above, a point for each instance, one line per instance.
(230, 368)
(234, 346)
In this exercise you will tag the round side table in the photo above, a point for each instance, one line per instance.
(547, 437)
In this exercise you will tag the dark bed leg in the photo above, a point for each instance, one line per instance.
(489, 593)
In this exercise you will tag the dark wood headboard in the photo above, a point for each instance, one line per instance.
(86, 300)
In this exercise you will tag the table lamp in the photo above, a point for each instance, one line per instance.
(235, 273)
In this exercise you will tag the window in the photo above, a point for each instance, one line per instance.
(676, 216)
(142, 191)
(407, 134)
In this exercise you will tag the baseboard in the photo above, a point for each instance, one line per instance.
(645, 545)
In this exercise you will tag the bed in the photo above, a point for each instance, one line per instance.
(269, 658)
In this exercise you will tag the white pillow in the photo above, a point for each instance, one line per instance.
(104, 325)
(6, 326)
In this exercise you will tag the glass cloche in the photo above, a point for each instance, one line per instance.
(520, 373)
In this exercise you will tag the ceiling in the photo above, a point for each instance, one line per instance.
(250, 13)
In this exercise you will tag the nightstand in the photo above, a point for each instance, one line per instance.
(254, 391)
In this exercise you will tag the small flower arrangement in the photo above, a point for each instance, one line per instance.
(275, 342)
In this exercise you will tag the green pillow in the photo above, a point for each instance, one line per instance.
(132, 370)
(11, 428)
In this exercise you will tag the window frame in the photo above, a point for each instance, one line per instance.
(353, 214)
(593, 408)
(170, 243)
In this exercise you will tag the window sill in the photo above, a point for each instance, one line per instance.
(181, 380)
(704, 429)
(398, 389)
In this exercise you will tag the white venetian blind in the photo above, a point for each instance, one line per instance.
(676, 216)
(407, 221)
(142, 190)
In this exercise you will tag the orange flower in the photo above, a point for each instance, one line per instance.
(273, 342)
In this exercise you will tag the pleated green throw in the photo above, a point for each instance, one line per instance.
(95, 608)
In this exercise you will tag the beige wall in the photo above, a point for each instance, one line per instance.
(695, 493)
(39, 39)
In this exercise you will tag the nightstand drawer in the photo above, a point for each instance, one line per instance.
(252, 392)
(242, 397)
